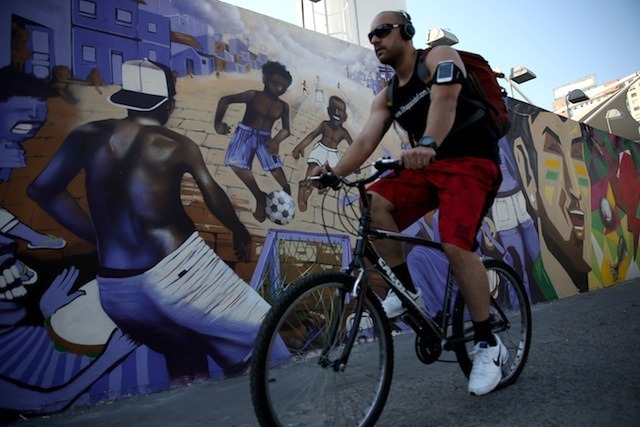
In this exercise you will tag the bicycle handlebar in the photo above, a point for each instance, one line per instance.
(381, 165)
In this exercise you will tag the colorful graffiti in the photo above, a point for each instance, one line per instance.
(131, 223)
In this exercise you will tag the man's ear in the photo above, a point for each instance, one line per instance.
(527, 176)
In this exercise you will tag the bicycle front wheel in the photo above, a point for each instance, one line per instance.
(510, 315)
(296, 376)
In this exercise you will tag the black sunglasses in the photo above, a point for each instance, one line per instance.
(382, 31)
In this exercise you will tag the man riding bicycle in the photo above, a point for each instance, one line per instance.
(457, 171)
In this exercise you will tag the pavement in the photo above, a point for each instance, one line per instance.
(582, 371)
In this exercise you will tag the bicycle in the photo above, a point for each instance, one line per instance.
(324, 353)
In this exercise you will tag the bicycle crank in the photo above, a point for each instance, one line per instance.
(428, 348)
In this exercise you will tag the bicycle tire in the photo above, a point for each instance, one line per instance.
(295, 389)
(508, 295)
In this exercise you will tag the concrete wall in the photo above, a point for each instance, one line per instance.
(566, 216)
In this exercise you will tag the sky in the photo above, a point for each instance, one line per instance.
(561, 41)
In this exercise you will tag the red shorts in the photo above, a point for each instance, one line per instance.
(462, 188)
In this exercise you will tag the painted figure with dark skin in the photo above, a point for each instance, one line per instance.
(159, 281)
(253, 135)
(331, 133)
(556, 182)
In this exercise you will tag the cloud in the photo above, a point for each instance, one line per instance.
(304, 52)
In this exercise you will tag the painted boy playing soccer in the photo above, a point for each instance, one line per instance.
(253, 134)
(331, 133)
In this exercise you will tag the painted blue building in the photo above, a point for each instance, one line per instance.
(106, 34)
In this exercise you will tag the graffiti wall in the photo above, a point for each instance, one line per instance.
(153, 197)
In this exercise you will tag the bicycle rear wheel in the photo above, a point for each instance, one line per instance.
(295, 379)
(510, 315)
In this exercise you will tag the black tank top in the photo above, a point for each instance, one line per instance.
(410, 105)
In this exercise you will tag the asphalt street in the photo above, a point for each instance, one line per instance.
(582, 371)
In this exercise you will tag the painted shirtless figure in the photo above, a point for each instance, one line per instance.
(331, 133)
(159, 281)
(253, 134)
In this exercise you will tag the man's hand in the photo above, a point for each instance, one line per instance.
(222, 128)
(417, 158)
(323, 178)
(316, 172)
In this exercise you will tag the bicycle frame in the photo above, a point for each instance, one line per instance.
(417, 319)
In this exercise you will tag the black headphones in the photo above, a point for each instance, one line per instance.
(407, 31)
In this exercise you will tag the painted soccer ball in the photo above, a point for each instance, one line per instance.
(280, 207)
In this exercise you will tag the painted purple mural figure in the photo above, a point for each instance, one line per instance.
(159, 281)
(17, 396)
(429, 267)
(513, 224)
(253, 135)
(23, 111)
(60, 377)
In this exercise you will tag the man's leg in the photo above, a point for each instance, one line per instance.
(472, 279)
(382, 217)
(392, 251)
(489, 354)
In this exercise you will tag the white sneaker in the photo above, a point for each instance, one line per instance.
(393, 306)
(487, 366)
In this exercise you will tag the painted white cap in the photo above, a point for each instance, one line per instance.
(145, 86)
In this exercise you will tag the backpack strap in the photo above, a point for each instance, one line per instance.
(391, 85)
(422, 71)
(425, 76)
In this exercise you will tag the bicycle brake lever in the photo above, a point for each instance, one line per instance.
(327, 179)
(385, 163)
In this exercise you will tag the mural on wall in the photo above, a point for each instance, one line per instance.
(151, 153)
(612, 163)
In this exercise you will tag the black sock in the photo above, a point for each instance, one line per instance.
(402, 273)
(483, 332)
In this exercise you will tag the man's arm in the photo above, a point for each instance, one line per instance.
(49, 189)
(442, 110)
(444, 97)
(367, 140)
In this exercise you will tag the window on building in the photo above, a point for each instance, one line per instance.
(153, 55)
(89, 53)
(152, 27)
(40, 45)
(87, 8)
(124, 17)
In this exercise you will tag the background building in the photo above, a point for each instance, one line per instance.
(613, 107)
(347, 20)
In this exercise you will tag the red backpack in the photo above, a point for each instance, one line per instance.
(488, 94)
